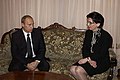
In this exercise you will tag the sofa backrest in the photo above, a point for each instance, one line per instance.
(6, 44)
(62, 42)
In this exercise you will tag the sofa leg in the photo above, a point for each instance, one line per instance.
(110, 76)
(113, 65)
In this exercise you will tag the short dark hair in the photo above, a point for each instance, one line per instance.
(97, 18)
(24, 17)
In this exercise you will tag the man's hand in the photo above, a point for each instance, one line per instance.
(33, 65)
(30, 67)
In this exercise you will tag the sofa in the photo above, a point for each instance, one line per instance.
(63, 48)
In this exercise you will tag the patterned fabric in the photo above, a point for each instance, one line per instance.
(63, 47)
(96, 35)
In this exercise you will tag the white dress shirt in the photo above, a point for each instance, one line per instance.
(25, 34)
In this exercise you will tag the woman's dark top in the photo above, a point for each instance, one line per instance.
(99, 51)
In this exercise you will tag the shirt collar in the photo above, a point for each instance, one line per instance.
(25, 33)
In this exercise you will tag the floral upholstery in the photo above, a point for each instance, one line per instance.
(63, 47)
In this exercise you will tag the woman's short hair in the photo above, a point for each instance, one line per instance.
(97, 18)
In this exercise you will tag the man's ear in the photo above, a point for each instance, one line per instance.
(98, 24)
(22, 24)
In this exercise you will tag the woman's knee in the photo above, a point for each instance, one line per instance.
(72, 68)
(80, 70)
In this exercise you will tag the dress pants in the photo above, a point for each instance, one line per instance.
(16, 66)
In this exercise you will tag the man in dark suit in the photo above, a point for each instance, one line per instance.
(20, 50)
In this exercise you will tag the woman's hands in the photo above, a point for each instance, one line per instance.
(91, 62)
(82, 61)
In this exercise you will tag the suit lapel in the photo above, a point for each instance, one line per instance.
(21, 38)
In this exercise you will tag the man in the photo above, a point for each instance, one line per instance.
(25, 40)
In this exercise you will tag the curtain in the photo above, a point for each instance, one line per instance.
(70, 13)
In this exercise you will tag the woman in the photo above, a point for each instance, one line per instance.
(95, 49)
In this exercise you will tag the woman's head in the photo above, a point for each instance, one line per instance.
(95, 18)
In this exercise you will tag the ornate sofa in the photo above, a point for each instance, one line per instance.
(63, 47)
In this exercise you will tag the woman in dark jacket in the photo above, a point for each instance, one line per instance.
(95, 49)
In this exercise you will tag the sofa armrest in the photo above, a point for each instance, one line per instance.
(1, 50)
(113, 59)
(113, 63)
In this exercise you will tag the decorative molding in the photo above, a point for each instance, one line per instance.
(61, 27)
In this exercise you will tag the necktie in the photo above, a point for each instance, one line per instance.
(29, 49)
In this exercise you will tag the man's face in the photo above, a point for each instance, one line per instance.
(28, 25)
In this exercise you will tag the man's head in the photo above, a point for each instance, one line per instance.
(27, 23)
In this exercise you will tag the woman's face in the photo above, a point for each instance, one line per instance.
(91, 25)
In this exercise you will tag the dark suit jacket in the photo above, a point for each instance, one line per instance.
(100, 49)
(19, 47)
